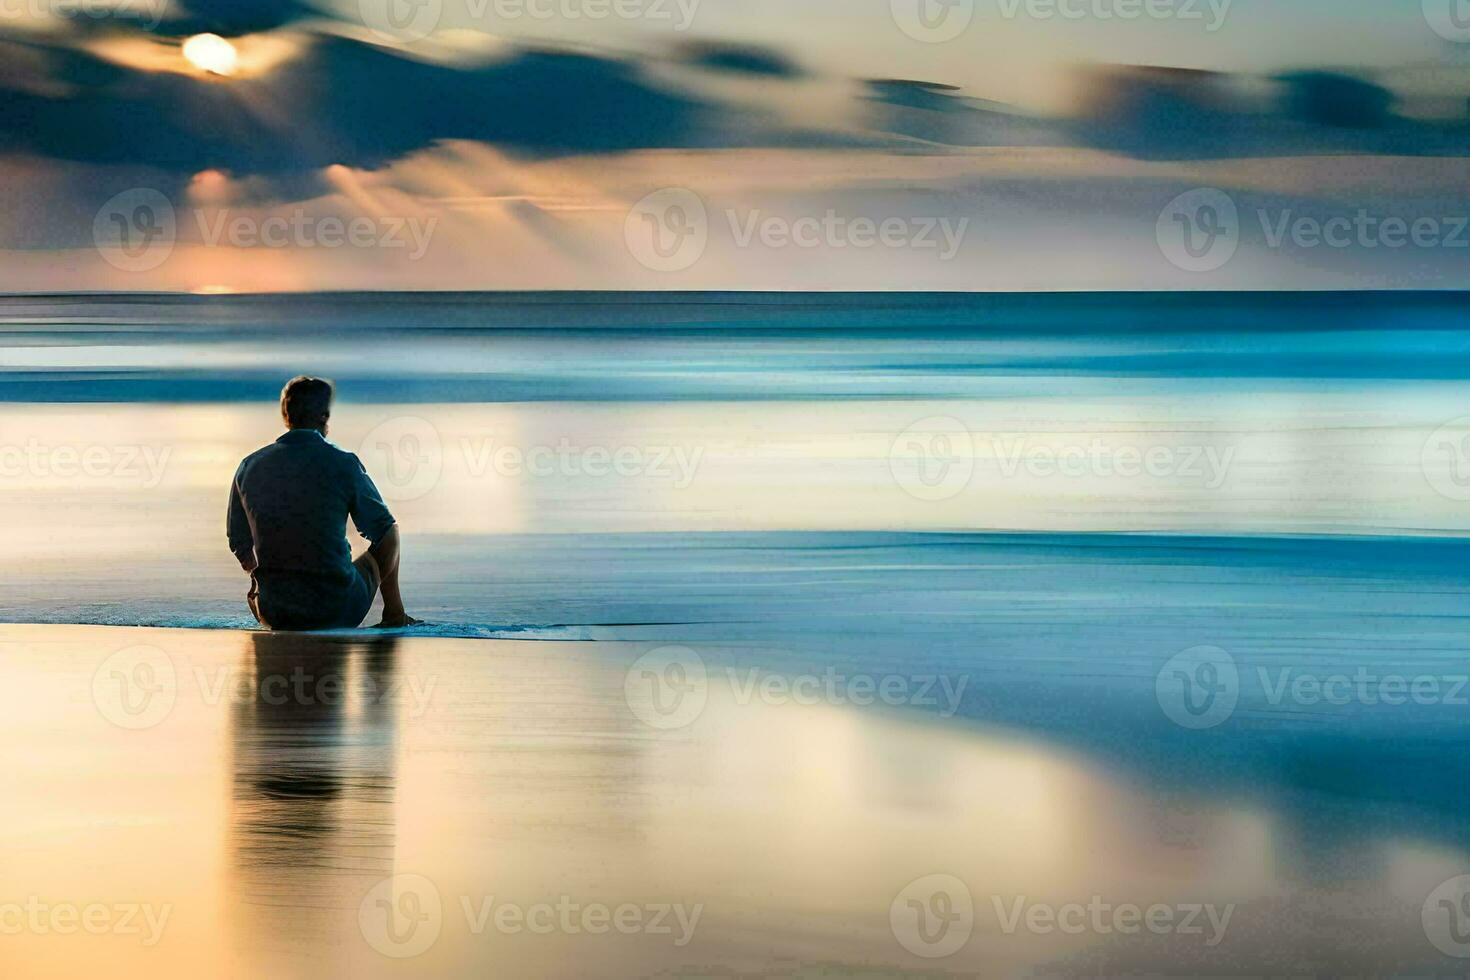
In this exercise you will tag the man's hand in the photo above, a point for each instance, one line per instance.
(248, 563)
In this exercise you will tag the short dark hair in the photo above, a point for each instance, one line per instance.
(306, 402)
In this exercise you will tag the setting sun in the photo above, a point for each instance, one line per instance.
(211, 53)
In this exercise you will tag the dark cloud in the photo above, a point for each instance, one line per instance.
(1330, 99)
(240, 16)
(746, 59)
(341, 101)
(930, 112)
(1179, 114)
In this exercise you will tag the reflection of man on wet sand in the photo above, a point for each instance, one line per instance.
(287, 524)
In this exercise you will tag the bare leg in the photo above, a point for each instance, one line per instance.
(385, 553)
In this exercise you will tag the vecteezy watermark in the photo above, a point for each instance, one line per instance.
(401, 21)
(933, 916)
(1450, 19)
(137, 687)
(676, 464)
(1210, 14)
(405, 456)
(39, 917)
(303, 231)
(1445, 459)
(835, 687)
(1201, 687)
(668, 688)
(137, 230)
(147, 14)
(141, 464)
(404, 916)
(1446, 917)
(932, 21)
(406, 21)
(1094, 458)
(1098, 916)
(1200, 231)
(935, 458)
(669, 230)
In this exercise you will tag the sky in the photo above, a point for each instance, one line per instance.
(217, 146)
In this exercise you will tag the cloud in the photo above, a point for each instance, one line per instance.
(340, 101)
(747, 59)
(1153, 113)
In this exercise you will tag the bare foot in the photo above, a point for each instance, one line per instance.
(396, 620)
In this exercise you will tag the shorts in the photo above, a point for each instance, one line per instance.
(295, 601)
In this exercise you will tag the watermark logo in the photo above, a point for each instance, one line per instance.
(932, 21)
(933, 459)
(145, 13)
(1445, 459)
(1199, 687)
(933, 916)
(676, 14)
(1446, 917)
(1210, 13)
(668, 230)
(1450, 19)
(300, 230)
(402, 916)
(837, 232)
(135, 687)
(1096, 459)
(144, 921)
(674, 464)
(1199, 231)
(401, 21)
(833, 687)
(406, 454)
(142, 465)
(1105, 918)
(572, 917)
(135, 231)
(667, 687)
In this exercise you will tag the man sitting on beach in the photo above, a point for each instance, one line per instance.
(287, 524)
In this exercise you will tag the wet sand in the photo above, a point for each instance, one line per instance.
(216, 803)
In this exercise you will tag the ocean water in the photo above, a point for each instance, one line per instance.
(757, 466)
(1140, 599)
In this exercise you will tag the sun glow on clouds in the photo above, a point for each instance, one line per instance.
(247, 56)
(212, 53)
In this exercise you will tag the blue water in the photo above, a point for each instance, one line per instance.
(514, 347)
(730, 562)
(1059, 608)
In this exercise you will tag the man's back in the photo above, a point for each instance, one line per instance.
(287, 523)
(290, 502)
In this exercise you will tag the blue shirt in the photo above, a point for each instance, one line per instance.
(289, 504)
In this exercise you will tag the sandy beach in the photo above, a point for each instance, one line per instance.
(222, 803)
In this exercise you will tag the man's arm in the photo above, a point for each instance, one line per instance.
(374, 522)
(237, 528)
(369, 514)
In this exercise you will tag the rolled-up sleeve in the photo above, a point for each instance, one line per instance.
(369, 514)
(237, 523)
